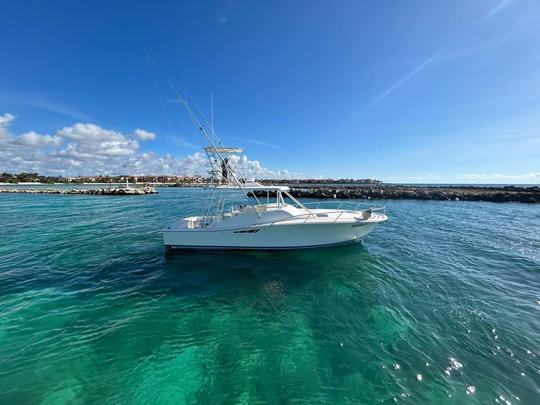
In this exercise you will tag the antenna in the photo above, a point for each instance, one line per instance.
(212, 110)
(184, 102)
(211, 138)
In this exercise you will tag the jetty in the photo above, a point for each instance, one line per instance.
(88, 191)
(520, 194)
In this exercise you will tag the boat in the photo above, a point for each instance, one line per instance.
(246, 215)
(237, 216)
(282, 224)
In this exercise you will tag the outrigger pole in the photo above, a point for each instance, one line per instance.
(200, 126)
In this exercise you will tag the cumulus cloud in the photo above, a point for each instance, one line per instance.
(33, 139)
(89, 132)
(9, 142)
(91, 142)
(6, 119)
(197, 164)
(88, 149)
(144, 135)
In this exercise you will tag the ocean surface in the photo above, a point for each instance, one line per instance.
(441, 304)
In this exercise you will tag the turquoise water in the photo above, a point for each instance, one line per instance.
(440, 305)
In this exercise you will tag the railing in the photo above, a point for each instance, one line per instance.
(341, 211)
(346, 205)
(294, 217)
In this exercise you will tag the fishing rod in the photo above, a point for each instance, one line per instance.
(201, 128)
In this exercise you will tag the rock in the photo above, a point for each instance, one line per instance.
(91, 191)
(502, 194)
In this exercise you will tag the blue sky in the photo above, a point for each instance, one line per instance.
(415, 91)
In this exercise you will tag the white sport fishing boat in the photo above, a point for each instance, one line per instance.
(276, 225)
(279, 223)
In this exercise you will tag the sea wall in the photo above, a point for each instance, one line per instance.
(529, 195)
(88, 191)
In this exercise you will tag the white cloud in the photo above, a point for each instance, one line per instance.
(88, 149)
(33, 139)
(6, 119)
(498, 176)
(89, 133)
(91, 142)
(469, 178)
(197, 164)
(254, 169)
(144, 135)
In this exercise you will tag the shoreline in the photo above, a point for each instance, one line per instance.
(491, 193)
(89, 191)
(528, 195)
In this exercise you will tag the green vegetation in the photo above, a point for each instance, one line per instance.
(30, 178)
(37, 178)
(171, 180)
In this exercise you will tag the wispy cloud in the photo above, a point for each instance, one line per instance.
(403, 80)
(450, 55)
(41, 101)
(257, 142)
(502, 5)
(424, 178)
(468, 178)
(225, 11)
(501, 176)
(181, 142)
(445, 54)
(57, 108)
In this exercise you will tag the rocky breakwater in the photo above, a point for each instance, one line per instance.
(529, 195)
(89, 191)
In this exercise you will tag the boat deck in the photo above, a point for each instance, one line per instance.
(246, 218)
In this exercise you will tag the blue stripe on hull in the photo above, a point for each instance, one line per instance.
(329, 245)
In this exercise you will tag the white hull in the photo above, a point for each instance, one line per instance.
(269, 237)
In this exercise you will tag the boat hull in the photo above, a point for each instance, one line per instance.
(275, 237)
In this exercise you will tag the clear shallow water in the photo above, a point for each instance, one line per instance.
(440, 305)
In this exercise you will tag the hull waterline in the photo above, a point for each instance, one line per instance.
(265, 238)
(261, 248)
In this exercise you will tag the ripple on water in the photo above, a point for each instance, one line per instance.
(440, 305)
